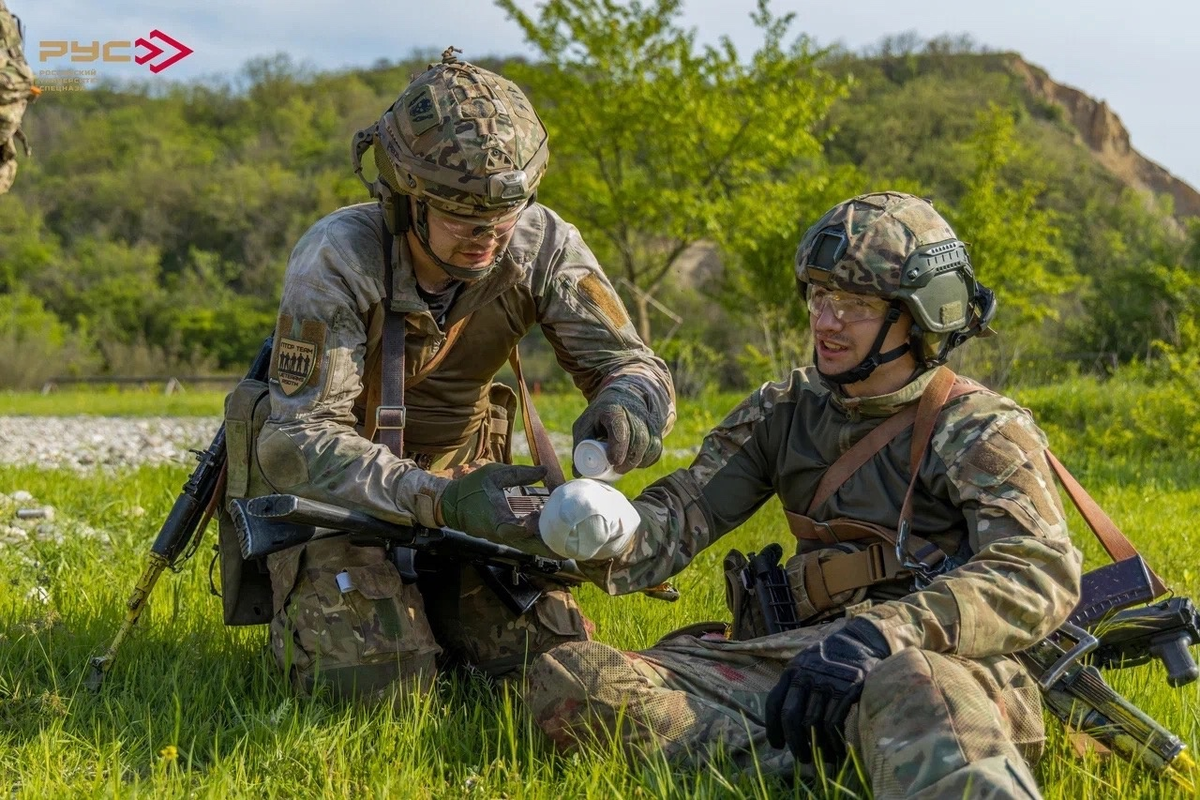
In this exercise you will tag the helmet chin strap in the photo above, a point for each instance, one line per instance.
(874, 358)
(421, 229)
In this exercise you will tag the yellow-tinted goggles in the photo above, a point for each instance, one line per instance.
(847, 306)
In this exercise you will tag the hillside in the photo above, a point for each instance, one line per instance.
(1100, 129)
(929, 100)
(151, 230)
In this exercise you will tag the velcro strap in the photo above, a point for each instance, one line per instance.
(854, 570)
(814, 586)
(833, 531)
(843, 572)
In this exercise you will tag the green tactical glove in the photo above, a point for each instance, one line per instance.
(475, 503)
(622, 419)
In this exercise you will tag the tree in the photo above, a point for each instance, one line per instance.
(1014, 241)
(657, 144)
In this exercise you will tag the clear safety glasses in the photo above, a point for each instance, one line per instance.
(847, 306)
(475, 228)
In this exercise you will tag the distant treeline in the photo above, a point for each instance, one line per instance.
(151, 228)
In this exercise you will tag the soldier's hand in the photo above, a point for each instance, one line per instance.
(810, 703)
(475, 503)
(623, 420)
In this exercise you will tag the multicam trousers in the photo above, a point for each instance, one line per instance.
(346, 621)
(928, 724)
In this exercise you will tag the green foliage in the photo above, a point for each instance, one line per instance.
(689, 143)
(34, 343)
(1144, 283)
(1143, 414)
(693, 365)
(155, 222)
(1014, 243)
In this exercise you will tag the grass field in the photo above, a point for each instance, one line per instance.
(194, 709)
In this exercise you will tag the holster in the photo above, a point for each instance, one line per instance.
(245, 585)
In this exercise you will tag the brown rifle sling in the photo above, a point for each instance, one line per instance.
(1115, 543)
(540, 447)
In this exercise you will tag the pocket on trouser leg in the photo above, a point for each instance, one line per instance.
(357, 636)
(484, 633)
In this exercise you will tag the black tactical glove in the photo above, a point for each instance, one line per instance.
(622, 419)
(475, 503)
(814, 695)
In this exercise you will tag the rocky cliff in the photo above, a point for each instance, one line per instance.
(1101, 130)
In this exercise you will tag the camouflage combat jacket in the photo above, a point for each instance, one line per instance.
(984, 493)
(330, 330)
(16, 90)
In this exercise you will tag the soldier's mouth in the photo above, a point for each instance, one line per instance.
(831, 347)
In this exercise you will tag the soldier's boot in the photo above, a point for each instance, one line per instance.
(931, 725)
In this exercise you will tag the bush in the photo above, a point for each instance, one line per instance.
(36, 345)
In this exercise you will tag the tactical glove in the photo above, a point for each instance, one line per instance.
(623, 420)
(475, 503)
(813, 697)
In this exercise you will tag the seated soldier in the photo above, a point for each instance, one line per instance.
(921, 566)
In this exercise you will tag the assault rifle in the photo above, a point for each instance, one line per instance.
(183, 528)
(272, 523)
(1066, 664)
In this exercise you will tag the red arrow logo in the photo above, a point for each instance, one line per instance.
(153, 51)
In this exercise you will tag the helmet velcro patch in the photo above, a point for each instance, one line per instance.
(423, 112)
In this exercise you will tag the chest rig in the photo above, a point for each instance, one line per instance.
(878, 554)
(386, 415)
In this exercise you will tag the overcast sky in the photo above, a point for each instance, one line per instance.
(1142, 58)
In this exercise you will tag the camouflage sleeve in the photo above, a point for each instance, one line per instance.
(1023, 578)
(309, 446)
(587, 325)
(16, 91)
(688, 510)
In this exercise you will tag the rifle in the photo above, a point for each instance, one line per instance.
(180, 534)
(272, 523)
(1067, 663)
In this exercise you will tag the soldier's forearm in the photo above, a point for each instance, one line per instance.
(1004, 599)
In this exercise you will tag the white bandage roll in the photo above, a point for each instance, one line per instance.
(586, 519)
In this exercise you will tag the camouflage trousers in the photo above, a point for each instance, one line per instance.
(927, 725)
(344, 620)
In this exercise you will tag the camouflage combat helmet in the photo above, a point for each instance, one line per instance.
(459, 138)
(896, 246)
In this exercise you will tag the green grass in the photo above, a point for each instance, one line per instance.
(115, 402)
(198, 710)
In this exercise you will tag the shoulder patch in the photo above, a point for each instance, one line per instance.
(297, 361)
(605, 300)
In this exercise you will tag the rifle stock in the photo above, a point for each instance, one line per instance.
(276, 522)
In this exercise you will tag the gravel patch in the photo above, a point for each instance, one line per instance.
(84, 443)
